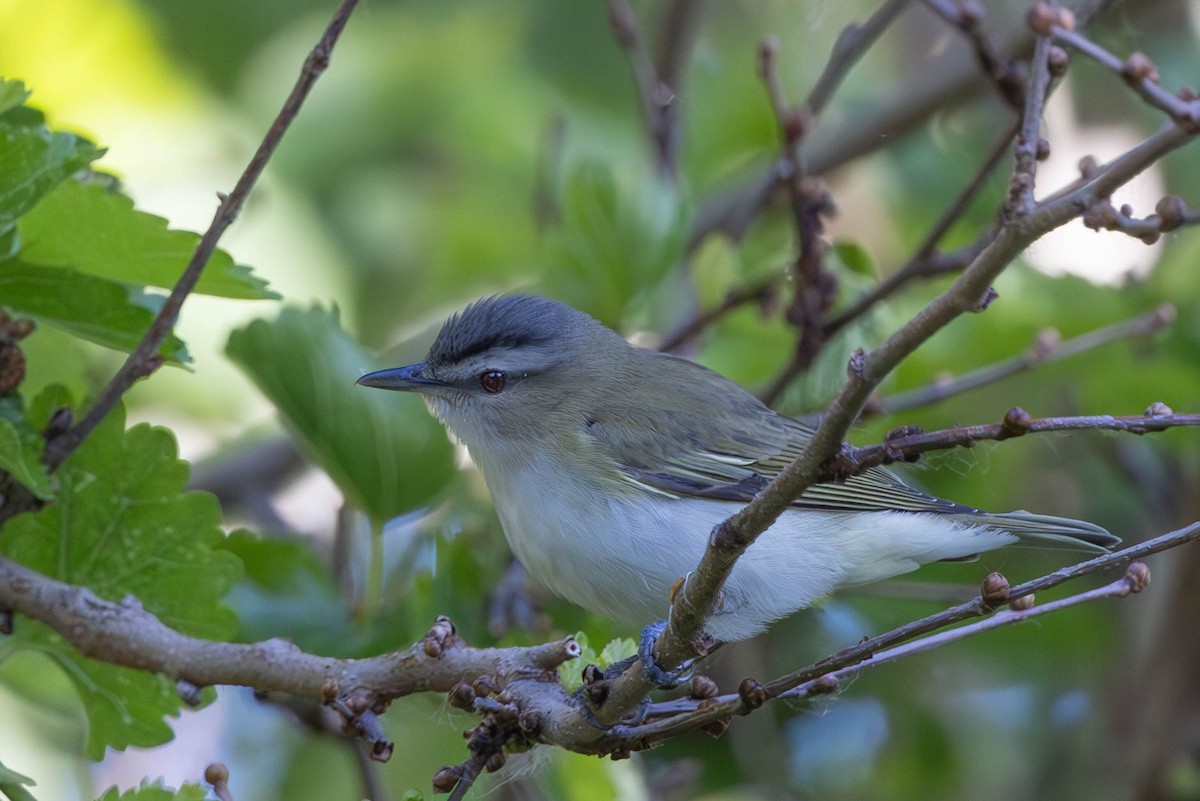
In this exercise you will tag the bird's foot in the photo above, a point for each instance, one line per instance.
(663, 679)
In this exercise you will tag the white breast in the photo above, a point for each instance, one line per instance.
(619, 555)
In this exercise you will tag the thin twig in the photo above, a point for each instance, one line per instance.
(848, 48)
(685, 715)
(1017, 423)
(1045, 349)
(920, 264)
(1006, 74)
(682, 638)
(658, 99)
(757, 292)
(144, 360)
(1138, 73)
(1021, 200)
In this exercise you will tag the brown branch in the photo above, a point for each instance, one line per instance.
(760, 292)
(904, 445)
(1021, 199)
(144, 360)
(659, 99)
(1170, 213)
(922, 263)
(683, 637)
(1139, 73)
(850, 46)
(128, 635)
(1045, 349)
(1007, 74)
(683, 716)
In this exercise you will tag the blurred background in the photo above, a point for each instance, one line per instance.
(456, 150)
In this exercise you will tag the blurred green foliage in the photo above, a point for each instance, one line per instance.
(450, 152)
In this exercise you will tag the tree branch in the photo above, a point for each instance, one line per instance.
(682, 639)
(681, 717)
(144, 360)
(126, 634)
(1045, 349)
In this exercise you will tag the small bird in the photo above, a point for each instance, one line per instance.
(609, 465)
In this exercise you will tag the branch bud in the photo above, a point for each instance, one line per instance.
(1172, 211)
(752, 693)
(1058, 61)
(461, 696)
(1138, 576)
(702, 687)
(494, 762)
(445, 779)
(994, 590)
(1139, 67)
(1158, 409)
(1016, 421)
(1022, 603)
(1041, 19)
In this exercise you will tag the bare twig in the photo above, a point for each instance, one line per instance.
(848, 48)
(1008, 75)
(144, 360)
(1017, 423)
(682, 639)
(1021, 199)
(920, 264)
(659, 99)
(758, 292)
(679, 717)
(126, 634)
(1139, 73)
(1046, 348)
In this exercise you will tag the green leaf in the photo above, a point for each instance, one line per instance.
(32, 162)
(615, 240)
(155, 791)
(21, 457)
(286, 592)
(94, 309)
(855, 258)
(10, 776)
(384, 450)
(93, 230)
(12, 94)
(124, 525)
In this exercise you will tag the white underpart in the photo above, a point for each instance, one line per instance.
(619, 554)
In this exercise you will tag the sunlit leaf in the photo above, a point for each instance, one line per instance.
(91, 308)
(33, 161)
(88, 228)
(155, 791)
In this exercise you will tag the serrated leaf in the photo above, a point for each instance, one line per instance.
(91, 229)
(124, 525)
(616, 650)
(385, 452)
(155, 791)
(22, 460)
(33, 161)
(94, 309)
(12, 94)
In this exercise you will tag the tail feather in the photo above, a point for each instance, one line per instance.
(1047, 531)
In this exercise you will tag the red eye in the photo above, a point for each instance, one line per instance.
(492, 381)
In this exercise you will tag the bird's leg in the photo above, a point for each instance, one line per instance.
(664, 679)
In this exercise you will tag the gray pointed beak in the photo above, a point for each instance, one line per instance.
(401, 379)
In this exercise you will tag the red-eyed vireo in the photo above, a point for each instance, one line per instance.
(609, 466)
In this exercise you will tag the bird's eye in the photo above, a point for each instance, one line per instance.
(492, 381)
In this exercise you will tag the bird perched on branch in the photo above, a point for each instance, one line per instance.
(609, 466)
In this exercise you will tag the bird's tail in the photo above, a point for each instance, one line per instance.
(1046, 531)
